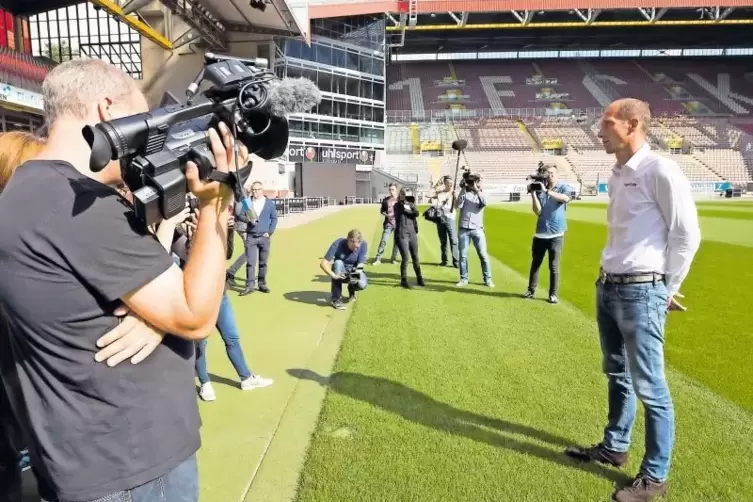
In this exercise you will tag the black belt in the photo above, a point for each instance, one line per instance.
(636, 278)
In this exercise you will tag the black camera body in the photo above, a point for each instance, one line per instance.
(469, 180)
(354, 276)
(154, 147)
(538, 180)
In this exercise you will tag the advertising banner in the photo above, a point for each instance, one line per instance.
(17, 96)
(330, 154)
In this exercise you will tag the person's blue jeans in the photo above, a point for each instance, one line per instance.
(447, 231)
(228, 329)
(631, 319)
(478, 237)
(339, 267)
(179, 485)
(387, 232)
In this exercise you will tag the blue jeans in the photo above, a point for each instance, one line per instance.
(179, 485)
(631, 320)
(229, 332)
(447, 231)
(478, 237)
(339, 267)
(386, 233)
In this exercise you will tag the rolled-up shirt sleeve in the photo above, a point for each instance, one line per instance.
(674, 197)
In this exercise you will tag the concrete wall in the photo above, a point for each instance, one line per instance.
(173, 71)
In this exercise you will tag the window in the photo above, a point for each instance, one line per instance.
(82, 30)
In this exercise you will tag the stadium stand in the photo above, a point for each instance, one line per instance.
(528, 109)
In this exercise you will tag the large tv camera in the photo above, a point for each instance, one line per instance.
(538, 180)
(469, 180)
(154, 147)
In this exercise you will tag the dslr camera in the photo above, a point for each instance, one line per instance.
(154, 147)
(470, 180)
(538, 180)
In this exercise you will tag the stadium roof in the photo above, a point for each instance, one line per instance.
(573, 30)
(334, 8)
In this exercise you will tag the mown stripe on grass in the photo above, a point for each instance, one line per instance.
(278, 330)
(725, 230)
(443, 394)
(710, 343)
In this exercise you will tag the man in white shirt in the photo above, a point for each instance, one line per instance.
(653, 235)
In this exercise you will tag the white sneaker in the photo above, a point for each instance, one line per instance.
(490, 284)
(206, 393)
(376, 262)
(256, 382)
(462, 284)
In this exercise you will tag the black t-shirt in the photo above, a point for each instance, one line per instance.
(69, 249)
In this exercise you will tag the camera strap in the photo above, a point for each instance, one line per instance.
(231, 178)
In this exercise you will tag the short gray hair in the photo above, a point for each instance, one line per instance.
(632, 108)
(74, 85)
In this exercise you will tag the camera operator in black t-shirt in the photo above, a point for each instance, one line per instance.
(72, 251)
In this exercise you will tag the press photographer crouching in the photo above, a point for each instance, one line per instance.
(549, 199)
(344, 263)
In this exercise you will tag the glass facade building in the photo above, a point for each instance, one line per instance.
(346, 60)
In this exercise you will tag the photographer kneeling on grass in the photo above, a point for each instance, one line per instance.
(344, 263)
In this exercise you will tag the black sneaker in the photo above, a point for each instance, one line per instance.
(404, 284)
(643, 489)
(337, 305)
(597, 453)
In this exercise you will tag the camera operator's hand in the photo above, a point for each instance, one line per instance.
(132, 338)
(178, 218)
(212, 192)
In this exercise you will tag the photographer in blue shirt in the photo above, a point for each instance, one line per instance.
(549, 204)
(344, 263)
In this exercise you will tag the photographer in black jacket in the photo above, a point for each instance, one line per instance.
(406, 222)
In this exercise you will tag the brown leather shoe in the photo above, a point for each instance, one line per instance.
(597, 453)
(643, 489)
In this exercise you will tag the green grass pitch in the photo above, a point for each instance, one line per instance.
(447, 394)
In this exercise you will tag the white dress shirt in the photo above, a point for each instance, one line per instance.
(652, 221)
(258, 205)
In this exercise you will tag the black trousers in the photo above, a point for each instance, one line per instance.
(407, 243)
(539, 248)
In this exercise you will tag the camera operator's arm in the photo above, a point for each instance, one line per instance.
(480, 195)
(328, 260)
(536, 203)
(411, 210)
(558, 196)
(166, 231)
(186, 304)
(460, 198)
